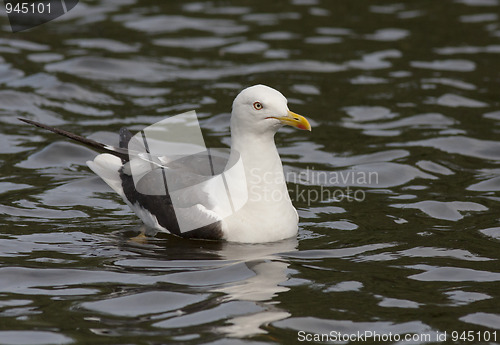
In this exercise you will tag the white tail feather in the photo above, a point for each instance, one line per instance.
(108, 168)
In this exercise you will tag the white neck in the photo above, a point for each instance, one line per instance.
(267, 192)
(262, 164)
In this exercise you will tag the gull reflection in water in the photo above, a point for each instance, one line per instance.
(270, 271)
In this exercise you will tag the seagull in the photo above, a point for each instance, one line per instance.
(266, 213)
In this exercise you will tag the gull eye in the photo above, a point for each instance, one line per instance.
(258, 105)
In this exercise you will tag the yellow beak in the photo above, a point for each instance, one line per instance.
(295, 120)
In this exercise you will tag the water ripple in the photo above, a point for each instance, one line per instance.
(404, 91)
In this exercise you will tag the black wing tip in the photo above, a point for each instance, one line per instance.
(31, 122)
(41, 125)
(121, 153)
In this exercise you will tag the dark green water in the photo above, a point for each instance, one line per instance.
(408, 91)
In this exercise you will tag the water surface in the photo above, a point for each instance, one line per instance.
(407, 91)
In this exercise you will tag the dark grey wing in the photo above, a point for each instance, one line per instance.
(161, 205)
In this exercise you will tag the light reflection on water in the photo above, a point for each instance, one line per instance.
(404, 90)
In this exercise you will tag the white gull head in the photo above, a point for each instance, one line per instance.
(261, 110)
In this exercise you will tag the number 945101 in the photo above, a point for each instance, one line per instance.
(27, 7)
(474, 336)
